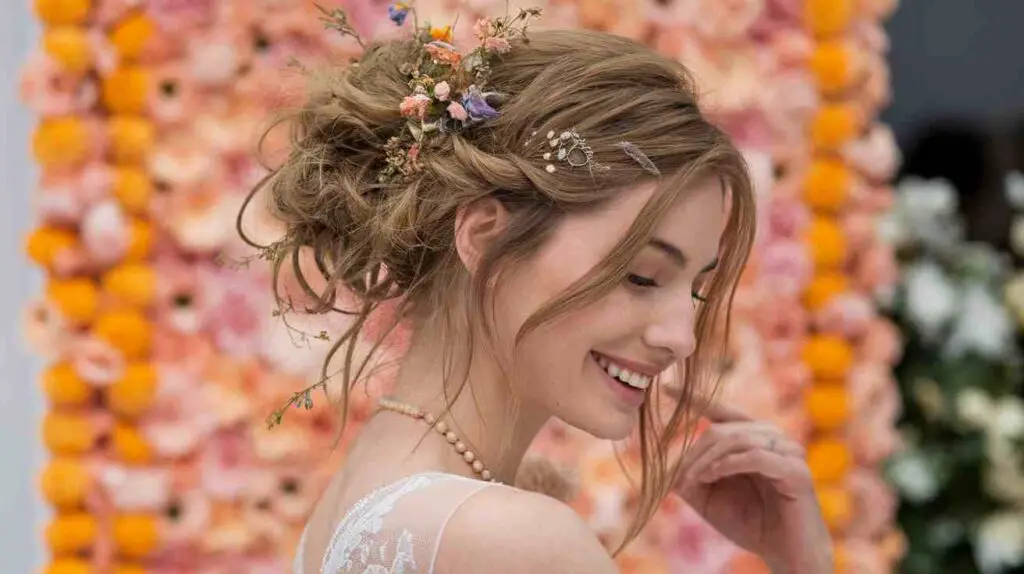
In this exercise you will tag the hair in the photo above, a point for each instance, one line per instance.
(376, 242)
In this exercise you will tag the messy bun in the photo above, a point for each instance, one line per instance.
(374, 239)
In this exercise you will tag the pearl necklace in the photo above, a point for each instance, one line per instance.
(442, 428)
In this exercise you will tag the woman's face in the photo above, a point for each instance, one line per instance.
(574, 367)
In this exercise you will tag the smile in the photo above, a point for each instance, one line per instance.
(622, 374)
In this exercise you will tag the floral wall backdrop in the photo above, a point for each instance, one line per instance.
(165, 355)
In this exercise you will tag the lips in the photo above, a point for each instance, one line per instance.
(624, 375)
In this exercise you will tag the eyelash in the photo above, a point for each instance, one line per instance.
(641, 282)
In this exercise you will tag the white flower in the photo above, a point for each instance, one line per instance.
(931, 298)
(1017, 235)
(1014, 293)
(1013, 187)
(1008, 419)
(1004, 477)
(983, 325)
(915, 476)
(999, 543)
(927, 209)
(974, 407)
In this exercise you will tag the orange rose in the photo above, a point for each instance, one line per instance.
(131, 139)
(828, 405)
(132, 188)
(44, 244)
(836, 506)
(71, 533)
(64, 387)
(61, 142)
(127, 330)
(827, 18)
(129, 36)
(131, 283)
(77, 299)
(140, 242)
(135, 391)
(833, 66)
(125, 90)
(69, 566)
(834, 125)
(824, 288)
(135, 535)
(69, 47)
(130, 446)
(129, 569)
(829, 461)
(828, 357)
(65, 482)
(827, 243)
(62, 12)
(68, 433)
(827, 185)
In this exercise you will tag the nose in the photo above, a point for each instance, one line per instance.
(672, 332)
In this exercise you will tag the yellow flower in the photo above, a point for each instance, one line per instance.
(127, 331)
(65, 482)
(131, 283)
(442, 34)
(125, 90)
(131, 139)
(130, 446)
(44, 244)
(69, 566)
(135, 535)
(77, 298)
(68, 433)
(132, 188)
(63, 387)
(130, 35)
(829, 461)
(135, 391)
(71, 533)
(69, 46)
(61, 142)
(62, 12)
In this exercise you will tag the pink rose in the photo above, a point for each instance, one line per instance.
(875, 269)
(457, 111)
(58, 202)
(44, 329)
(234, 309)
(789, 100)
(182, 15)
(860, 228)
(415, 106)
(847, 315)
(724, 20)
(136, 489)
(191, 519)
(483, 28)
(876, 92)
(105, 233)
(785, 267)
(441, 91)
(874, 501)
(787, 219)
(499, 45)
(790, 378)
(881, 343)
(876, 155)
(96, 361)
(225, 465)
(783, 325)
(47, 90)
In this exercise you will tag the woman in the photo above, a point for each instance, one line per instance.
(561, 227)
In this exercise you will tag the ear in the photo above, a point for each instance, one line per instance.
(477, 225)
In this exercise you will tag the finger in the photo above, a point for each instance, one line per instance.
(788, 475)
(722, 413)
(730, 438)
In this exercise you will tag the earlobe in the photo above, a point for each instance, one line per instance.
(477, 225)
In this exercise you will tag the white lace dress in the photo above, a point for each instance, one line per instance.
(397, 528)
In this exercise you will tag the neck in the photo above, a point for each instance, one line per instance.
(481, 414)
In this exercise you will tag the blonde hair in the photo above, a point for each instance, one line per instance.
(384, 241)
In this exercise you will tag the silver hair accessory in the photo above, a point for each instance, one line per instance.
(640, 157)
(571, 148)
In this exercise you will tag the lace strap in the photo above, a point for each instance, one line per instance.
(476, 487)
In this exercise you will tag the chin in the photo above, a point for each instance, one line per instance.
(611, 425)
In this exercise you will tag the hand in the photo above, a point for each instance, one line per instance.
(752, 484)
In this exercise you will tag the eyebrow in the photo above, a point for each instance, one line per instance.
(677, 255)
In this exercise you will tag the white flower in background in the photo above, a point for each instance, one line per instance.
(931, 298)
(999, 543)
(974, 407)
(982, 326)
(945, 532)
(1004, 476)
(915, 476)
(1008, 418)
(1014, 294)
(1013, 187)
(1017, 235)
(927, 213)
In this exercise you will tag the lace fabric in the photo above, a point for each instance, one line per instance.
(397, 528)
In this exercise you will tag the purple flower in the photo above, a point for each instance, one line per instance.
(397, 12)
(476, 105)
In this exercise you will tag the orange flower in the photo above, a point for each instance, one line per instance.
(828, 357)
(835, 125)
(827, 185)
(140, 243)
(128, 569)
(65, 482)
(135, 391)
(832, 64)
(44, 244)
(71, 533)
(829, 461)
(836, 506)
(68, 433)
(442, 34)
(135, 535)
(62, 12)
(827, 18)
(61, 142)
(125, 90)
(130, 446)
(69, 566)
(130, 35)
(127, 330)
(132, 188)
(444, 53)
(64, 387)
(131, 139)
(823, 288)
(748, 563)
(131, 283)
(828, 405)
(827, 243)
(77, 299)
(69, 46)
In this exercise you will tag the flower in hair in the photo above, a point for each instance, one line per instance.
(398, 12)
(476, 105)
(443, 52)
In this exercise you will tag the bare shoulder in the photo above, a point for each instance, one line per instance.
(515, 531)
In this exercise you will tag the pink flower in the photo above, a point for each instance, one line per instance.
(225, 465)
(136, 489)
(47, 90)
(847, 315)
(233, 312)
(483, 28)
(789, 100)
(875, 155)
(457, 112)
(790, 378)
(441, 91)
(881, 343)
(724, 20)
(860, 228)
(443, 52)
(499, 45)
(875, 503)
(783, 325)
(875, 269)
(44, 329)
(415, 106)
(96, 361)
(785, 267)
(105, 233)
(787, 219)
(182, 14)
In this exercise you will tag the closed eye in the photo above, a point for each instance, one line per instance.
(641, 281)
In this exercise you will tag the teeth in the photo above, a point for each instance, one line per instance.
(635, 380)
